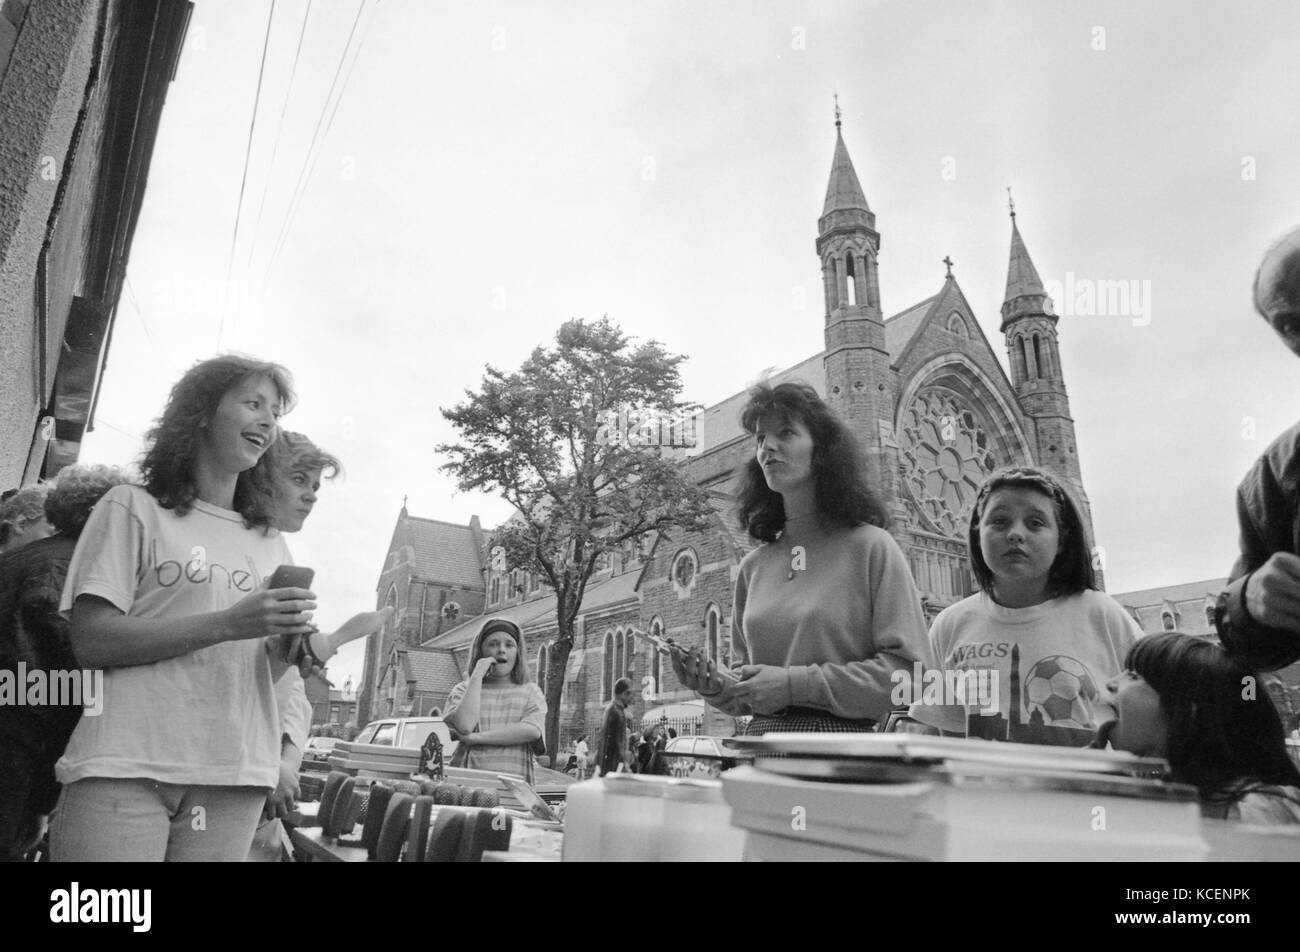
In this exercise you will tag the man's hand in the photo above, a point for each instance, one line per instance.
(284, 799)
(1273, 593)
(764, 688)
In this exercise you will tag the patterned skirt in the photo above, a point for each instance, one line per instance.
(807, 720)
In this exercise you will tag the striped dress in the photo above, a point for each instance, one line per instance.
(501, 705)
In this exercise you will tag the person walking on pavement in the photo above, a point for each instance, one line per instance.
(612, 749)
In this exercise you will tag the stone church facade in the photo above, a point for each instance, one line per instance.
(925, 394)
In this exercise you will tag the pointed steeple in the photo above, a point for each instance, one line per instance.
(1022, 276)
(843, 190)
(1025, 295)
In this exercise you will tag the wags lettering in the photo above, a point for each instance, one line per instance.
(985, 649)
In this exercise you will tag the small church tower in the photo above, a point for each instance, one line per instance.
(1035, 358)
(860, 385)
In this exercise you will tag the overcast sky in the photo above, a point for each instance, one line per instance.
(494, 169)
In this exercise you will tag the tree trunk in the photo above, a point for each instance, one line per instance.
(557, 665)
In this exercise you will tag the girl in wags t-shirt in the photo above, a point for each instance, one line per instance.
(1027, 658)
(167, 594)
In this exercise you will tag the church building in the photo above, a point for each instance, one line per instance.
(925, 394)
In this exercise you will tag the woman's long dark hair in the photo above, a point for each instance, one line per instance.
(839, 475)
(1224, 734)
(172, 445)
(1072, 570)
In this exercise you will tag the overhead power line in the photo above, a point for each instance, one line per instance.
(318, 138)
(248, 151)
(279, 131)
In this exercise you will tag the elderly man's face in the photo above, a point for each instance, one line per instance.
(1277, 290)
(1287, 326)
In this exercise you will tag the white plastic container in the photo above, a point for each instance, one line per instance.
(632, 818)
(584, 808)
(697, 825)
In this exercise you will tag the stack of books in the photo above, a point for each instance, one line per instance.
(817, 797)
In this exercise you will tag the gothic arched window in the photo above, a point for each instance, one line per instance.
(607, 668)
(711, 620)
(1038, 360)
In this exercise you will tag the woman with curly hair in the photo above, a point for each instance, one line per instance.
(22, 517)
(167, 593)
(1205, 711)
(35, 636)
(825, 611)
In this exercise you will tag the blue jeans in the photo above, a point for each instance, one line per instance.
(103, 819)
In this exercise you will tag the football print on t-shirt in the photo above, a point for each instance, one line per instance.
(1051, 703)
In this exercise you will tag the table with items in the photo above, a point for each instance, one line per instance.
(800, 797)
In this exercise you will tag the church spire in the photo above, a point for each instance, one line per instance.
(860, 384)
(1025, 295)
(1022, 276)
(843, 191)
(1034, 355)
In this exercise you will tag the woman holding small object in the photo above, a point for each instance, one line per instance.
(498, 713)
(167, 592)
(825, 611)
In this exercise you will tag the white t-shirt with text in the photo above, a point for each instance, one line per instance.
(207, 717)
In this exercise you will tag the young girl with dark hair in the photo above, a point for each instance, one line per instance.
(1205, 711)
(498, 712)
(1025, 659)
(167, 593)
(825, 611)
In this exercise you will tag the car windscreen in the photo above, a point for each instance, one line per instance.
(413, 735)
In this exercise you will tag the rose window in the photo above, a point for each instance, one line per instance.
(945, 458)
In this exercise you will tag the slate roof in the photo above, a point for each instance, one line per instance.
(444, 552)
(1022, 276)
(434, 671)
(843, 190)
(540, 612)
(1188, 591)
(720, 423)
(725, 508)
(900, 328)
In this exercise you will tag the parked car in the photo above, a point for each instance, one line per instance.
(699, 756)
(316, 755)
(407, 732)
(412, 731)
